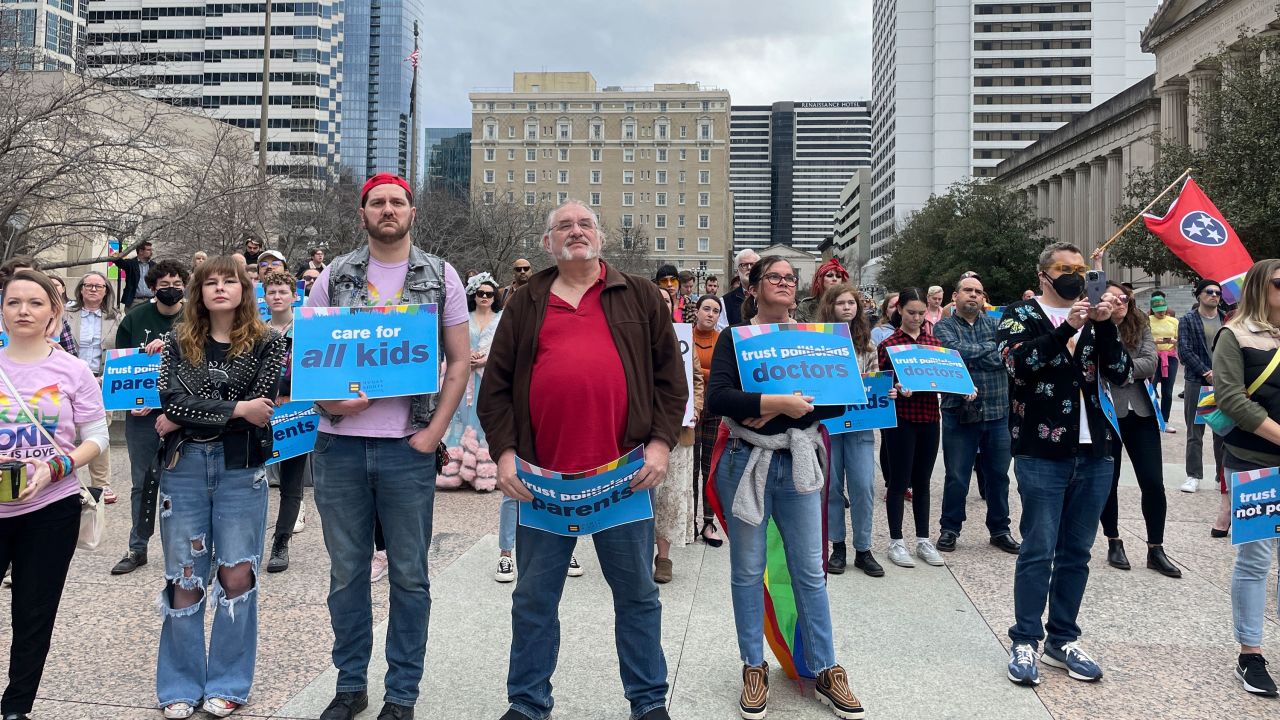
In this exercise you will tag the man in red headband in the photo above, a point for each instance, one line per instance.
(377, 458)
(828, 274)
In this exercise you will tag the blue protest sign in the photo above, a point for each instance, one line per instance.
(584, 503)
(1155, 403)
(384, 351)
(294, 428)
(877, 412)
(799, 358)
(1108, 407)
(129, 380)
(1255, 505)
(930, 368)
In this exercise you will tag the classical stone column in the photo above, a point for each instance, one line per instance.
(1202, 80)
(1054, 230)
(1115, 188)
(1067, 207)
(1081, 210)
(1099, 211)
(1173, 112)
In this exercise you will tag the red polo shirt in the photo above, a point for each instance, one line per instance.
(578, 391)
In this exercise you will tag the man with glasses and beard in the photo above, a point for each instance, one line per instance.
(521, 271)
(1196, 332)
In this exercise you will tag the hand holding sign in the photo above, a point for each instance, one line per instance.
(930, 368)
(815, 360)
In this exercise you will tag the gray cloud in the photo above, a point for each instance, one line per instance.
(761, 52)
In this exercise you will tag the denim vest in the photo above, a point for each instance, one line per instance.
(424, 283)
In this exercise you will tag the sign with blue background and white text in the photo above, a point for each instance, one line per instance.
(930, 368)
(584, 503)
(813, 359)
(129, 379)
(384, 351)
(877, 412)
(294, 429)
(1255, 505)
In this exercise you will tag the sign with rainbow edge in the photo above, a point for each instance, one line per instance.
(930, 368)
(814, 359)
(382, 351)
(576, 504)
(129, 378)
(1255, 505)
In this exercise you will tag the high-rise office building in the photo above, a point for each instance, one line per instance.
(788, 164)
(653, 159)
(43, 34)
(377, 77)
(449, 160)
(209, 56)
(958, 85)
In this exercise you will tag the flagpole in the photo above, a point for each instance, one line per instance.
(413, 116)
(1143, 211)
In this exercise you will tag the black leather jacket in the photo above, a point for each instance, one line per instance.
(191, 400)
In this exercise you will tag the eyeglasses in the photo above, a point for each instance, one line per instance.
(775, 279)
(745, 267)
(87, 286)
(665, 282)
(1219, 292)
(1069, 269)
(483, 294)
(521, 269)
(567, 225)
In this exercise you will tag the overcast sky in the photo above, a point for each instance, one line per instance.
(761, 52)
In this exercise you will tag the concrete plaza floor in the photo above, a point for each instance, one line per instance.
(922, 643)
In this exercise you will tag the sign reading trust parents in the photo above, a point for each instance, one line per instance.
(129, 380)
(929, 368)
(800, 358)
(587, 502)
(384, 351)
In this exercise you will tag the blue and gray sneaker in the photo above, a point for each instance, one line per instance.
(1074, 660)
(1022, 665)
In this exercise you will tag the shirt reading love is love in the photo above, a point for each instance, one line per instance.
(389, 417)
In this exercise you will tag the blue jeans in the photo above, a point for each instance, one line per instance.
(507, 517)
(1061, 503)
(626, 560)
(355, 478)
(799, 521)
(1249, 577)
(961, 443)
(205, 507)
(852, 472)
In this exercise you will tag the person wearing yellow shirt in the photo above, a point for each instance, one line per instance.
(1164, 327)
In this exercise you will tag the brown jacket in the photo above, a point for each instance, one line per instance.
(646, 343)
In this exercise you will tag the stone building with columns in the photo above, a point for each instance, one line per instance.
(1076, 176)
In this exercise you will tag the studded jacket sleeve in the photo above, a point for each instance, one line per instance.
(189, 397)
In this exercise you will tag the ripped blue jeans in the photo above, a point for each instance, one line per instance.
(211, 519)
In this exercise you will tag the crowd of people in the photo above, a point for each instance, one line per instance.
(569, 368)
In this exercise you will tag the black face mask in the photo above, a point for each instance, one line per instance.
(1069, 286)
(169, 296)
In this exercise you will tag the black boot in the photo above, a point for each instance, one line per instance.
(1115, 554)
(1158, 561)
(866, 562)
(279, 561)
(837, 561)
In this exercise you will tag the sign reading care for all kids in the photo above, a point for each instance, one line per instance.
(129, 380)
(384, 351)
(587, 502)
(1255, 505)
(929, 368)
(814, 359)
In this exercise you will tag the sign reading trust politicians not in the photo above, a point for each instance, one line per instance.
(1255, 505)
(587, 502)
(814, 359)
(384, 351)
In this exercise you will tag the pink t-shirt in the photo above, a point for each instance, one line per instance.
(62, 392)
(389, 417)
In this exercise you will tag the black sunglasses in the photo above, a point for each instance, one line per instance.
(483, 294)
(1275, 283)
(522, 269)
(1219, 292)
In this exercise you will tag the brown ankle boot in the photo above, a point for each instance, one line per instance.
(833, 690)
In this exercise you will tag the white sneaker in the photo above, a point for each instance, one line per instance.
(928, 553)
(506, 570)
(899, 556)
(1191, 485)
(178, 710)
(575, 570)
(378, 568)
(301, 523)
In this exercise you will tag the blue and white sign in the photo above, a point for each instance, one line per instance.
(584, 503)
(294, 429)
(1108, 406)
(384, 351)
(931, 368)
(877, 412)
(129, 379)
(1155, 403)
(684, 336)
(1255, 505)
(812, 359)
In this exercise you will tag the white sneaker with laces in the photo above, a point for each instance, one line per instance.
(378, 568)
(1191, 485)
(899, 556)
(506, 570)
(575, 570)
(301, 523)
(178, 710)
(928, 553)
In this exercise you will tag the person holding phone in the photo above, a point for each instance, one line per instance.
(219, 374)
(43, 388)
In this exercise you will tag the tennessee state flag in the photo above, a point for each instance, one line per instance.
(1198, 234)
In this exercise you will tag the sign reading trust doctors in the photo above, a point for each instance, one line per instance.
(384, 351)
(929, 368)
(814, 359)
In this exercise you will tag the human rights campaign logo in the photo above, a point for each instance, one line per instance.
(1202, 228)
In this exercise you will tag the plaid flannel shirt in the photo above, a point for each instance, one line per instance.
(921, 407)
(977, 344)
(1193, 346)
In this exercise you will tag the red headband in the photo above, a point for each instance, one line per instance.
(384, 179)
